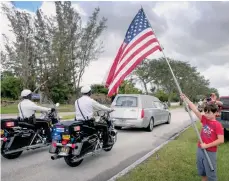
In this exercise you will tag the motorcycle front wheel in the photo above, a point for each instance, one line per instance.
(69, 161)
(110, 148)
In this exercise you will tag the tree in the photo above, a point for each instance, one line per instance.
(161, 95)
(20, 54)
(55, 48)
(158, 73)
(99, 89)
(90, 48)
(212, 90)
(11, 86)
(128, 87)
(143, 73)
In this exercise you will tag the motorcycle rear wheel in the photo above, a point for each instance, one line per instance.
(12, 155)
(69, 162)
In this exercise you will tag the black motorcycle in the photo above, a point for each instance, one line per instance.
(19, 135)
(76, 140)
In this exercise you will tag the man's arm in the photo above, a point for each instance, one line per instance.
(39, 108)
(98, 106)
(219, 103)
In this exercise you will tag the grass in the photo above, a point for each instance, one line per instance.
(68, 117)
(177, 162)
(175, 107)
(11, 109)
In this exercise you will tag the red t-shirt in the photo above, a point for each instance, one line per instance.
(210, 130)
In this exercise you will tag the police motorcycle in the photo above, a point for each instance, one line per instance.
(74, 140)
(18, 135)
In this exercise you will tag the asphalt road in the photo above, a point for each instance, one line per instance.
(130, 146)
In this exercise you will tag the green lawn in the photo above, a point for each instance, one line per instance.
(10, 109)
(177, 162)
(175, 107)
(68, 117)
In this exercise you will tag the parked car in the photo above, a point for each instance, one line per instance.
(224, 114)
(139, 111)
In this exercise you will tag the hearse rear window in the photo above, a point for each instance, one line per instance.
(126, 101)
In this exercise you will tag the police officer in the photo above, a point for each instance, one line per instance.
(85, 107)
(27, 108)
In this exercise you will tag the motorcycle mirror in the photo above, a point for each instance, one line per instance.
(57, 104)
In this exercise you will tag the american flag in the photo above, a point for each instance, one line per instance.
(139, 43)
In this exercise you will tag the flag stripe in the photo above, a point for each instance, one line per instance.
(131, 63)
(136, 40)
(130, 57)
(120, 52)
(114, 86)
(114, 66)
(139, 43)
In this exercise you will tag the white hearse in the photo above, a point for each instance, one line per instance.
(139, 111)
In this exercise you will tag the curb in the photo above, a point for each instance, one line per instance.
(142, 159)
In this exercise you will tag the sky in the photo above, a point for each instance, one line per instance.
(196, 32)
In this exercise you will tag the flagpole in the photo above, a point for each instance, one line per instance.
(180, 91)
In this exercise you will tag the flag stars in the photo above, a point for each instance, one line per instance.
(139, 24)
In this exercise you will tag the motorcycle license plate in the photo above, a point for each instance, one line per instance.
(65, 137)
(64, 151)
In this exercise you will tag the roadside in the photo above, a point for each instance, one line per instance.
(176, 161)
(13, 109)
(68, 117)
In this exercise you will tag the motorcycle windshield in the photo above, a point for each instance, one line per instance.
(43, 100)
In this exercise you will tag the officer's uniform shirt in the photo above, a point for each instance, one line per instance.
(88, 106)
(27, 108)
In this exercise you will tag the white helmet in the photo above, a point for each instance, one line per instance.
(85, 89)
(25, 92)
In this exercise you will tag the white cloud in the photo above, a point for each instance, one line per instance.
(218, 75)
(49, 9)
(79, 9)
